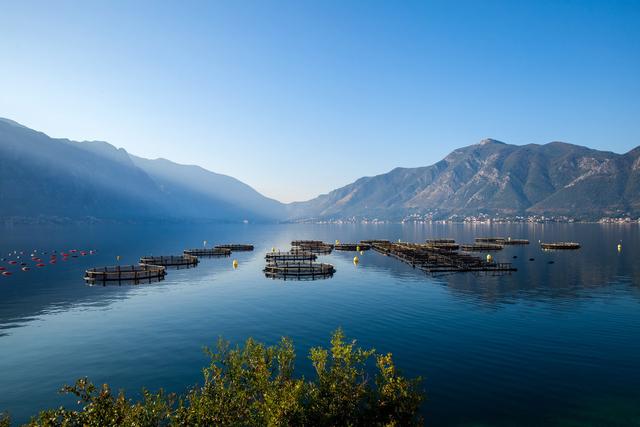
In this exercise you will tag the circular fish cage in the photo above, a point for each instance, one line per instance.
(352, 247)
(236, 247)
(127, 273)
(315, 246)
(208, 252)
(299, 270)
(170, 261)
(292, 256)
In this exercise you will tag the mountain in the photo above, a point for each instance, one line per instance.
(493, 178)
(50, 178)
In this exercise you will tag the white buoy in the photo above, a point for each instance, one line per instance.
(489, 258)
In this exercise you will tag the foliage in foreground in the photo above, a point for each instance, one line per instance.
(254, 385)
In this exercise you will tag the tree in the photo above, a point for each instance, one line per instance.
(255, 385)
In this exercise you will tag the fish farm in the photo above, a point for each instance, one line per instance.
(501, 240)
(481, 247)
(127, 273)
(315, 246)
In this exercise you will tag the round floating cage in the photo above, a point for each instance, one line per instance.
(236, 247)
(279, 257)
(208, 252)
(560, 245)
(315, 246)
(126, 273)
(299, 270)
(352, 246)
(170, 261)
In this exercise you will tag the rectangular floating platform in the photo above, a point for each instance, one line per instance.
(501, 240)
(437, 241)
(447, 246)
(208, 252)
(560, 245)
(481, 247)
(434, 260)
(235, 247)
(127, 273)
(170, 261)
(352, 247)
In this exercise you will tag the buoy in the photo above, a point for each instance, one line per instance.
(2, 269)
(356, 260)
(361, 252)
(25, 268)
(358, 248)
(235, 263)
(40, 265)
(337, 242)
(619, 247)
(117, 257)
(6, 273)
(53, 261)
(489, 258)
(13, 262)
(204, 243)
(273, 249)
(399, 240)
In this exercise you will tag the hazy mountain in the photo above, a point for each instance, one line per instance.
(43, 177)
(493, 177)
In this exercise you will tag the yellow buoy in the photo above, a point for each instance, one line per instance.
(356, 260)
(358, 248)
(619, 247)
(273, 249)
(489, 258)
(235, 263)
(337, 242)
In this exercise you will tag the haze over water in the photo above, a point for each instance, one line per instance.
(552, 344)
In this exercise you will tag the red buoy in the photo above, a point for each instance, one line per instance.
(2, 269)
(13, 262)
(6, 273)
(40, 265)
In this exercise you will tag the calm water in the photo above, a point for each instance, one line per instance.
(553, 344)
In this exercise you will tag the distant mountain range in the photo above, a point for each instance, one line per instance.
(43, 178)
(58, 179)
(494, 178)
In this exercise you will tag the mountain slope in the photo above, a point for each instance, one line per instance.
(57, 178)
(495, 178)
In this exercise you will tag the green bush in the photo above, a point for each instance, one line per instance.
(254, 385)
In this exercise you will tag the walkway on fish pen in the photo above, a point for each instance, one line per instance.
(435, 260)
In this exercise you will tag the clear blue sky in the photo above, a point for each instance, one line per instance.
(297, 98)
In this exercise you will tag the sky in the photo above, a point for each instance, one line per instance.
(298, 98)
